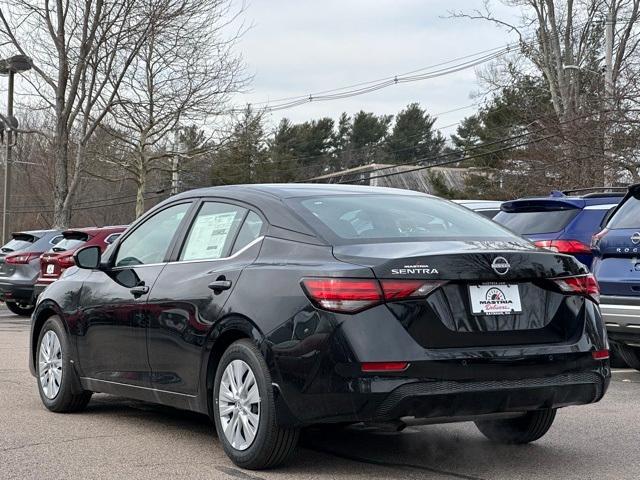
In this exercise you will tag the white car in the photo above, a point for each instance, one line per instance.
(487, 208)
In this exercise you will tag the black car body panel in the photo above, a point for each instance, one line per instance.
(163, 346)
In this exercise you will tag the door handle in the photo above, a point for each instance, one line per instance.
(219, 285)
(139, 290)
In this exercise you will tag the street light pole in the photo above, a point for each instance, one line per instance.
(10, 66)
(7, 159)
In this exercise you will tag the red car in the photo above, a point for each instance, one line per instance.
(60, 257)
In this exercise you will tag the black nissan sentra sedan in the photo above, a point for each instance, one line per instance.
(274, 307)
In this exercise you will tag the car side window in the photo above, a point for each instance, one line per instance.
(149, 242)
(212, 231)
(250, 230)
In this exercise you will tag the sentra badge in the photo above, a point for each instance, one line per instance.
(414, 270)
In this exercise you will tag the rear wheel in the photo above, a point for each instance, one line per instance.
(528, 428)
(20, 308)
(56, 375)
(631, 355)
(244, 410)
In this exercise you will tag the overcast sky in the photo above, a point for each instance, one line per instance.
(297, 47)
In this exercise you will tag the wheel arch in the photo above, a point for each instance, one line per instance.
(45, 310)
(228, 330)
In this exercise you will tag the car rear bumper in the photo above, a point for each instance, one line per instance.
(461, 391)
(451, 400)
(15, 291)
(622, 318)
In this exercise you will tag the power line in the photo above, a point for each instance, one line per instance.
(413, 76)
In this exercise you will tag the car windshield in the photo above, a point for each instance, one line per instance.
(529, 223)
(378, 218)
(16, 244)
(67, 244)
(628, 216)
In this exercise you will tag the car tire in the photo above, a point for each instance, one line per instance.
(56, 375)
(20, 309)
(248, 429)
(631, 355)
(527, 428)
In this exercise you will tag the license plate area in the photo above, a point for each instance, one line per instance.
(50, 268)
(495, 299)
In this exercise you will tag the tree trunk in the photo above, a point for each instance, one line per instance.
(61, 214)
(141, 185)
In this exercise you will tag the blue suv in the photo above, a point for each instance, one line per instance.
(616, 266)
(564, 221)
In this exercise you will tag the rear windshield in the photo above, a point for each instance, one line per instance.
(17, 244)
(379, 218)
(628, 216)
(67, 244)
(528, 223)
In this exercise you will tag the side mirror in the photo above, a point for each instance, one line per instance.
(88, 257)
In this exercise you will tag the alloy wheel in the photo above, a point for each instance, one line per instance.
(50, 364)
(239, 404)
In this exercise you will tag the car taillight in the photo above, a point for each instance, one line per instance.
(563, 246)
(600, 354)
(371, 367)
(351, 295)
(402, 289)
(66, 261)
(585, 285)
(343, 294)
(21, 258)
(595, 240)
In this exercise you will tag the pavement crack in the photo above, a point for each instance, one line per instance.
(234, 472)
(68, 440)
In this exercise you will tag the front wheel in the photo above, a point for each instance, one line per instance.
(631, 355)
(19, 308)
(527, 428)
(244, 410)
(56, 375)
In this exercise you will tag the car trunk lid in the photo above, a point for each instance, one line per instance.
(488, 293)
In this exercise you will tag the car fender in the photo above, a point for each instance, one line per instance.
(44, 310)
(224, 332)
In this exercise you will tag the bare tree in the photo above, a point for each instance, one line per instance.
(184, 72)
(566, 42)
(82, 50)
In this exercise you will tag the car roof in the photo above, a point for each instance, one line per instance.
(605, 199)
(39, 233)
(479, 203)
(294, 190)
(96, 230)
(270, 199)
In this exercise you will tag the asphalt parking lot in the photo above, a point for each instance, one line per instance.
(118, 438)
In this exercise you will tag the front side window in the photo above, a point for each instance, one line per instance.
(212, 232)
(389, 218)
(149, 242)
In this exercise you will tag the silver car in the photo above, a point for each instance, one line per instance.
(20, 267)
